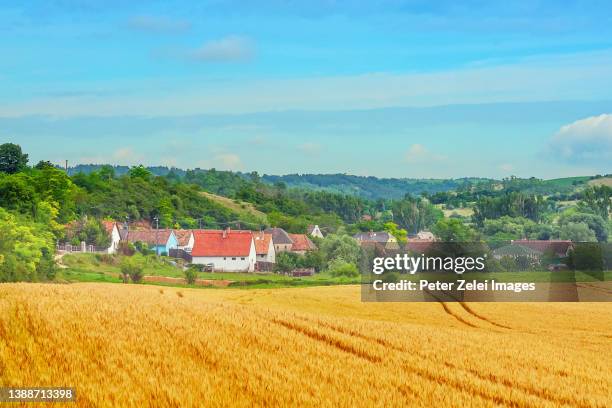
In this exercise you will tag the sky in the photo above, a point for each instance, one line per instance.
(386, 88)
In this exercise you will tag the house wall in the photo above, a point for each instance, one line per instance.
(316, 232)
(227, 263)
(282, 247)
(115, 238)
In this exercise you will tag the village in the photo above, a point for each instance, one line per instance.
(245, 251)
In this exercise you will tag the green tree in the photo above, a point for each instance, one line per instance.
(577, 232)
(453, 230)
(400, 234)
(12, 159)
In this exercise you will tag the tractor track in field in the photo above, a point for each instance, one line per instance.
(489, 378)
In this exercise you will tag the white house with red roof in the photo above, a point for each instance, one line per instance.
(112, 230)
(264, 247)
(225, 251)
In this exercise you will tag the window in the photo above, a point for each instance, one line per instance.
(224, 258)
(233, 259)
(242, 259)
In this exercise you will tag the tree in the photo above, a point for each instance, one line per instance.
(595, 223)
(132, 268)
(453, 230)
(577, 232)
(140, 172)
(399, 233)
(12, 160)
(340, 247)
(598, 200)
(338, 267)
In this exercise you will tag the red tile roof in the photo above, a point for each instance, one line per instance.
(301, 242)
(150, 237)
(262, 242)
(221, 243)
(419, 246)
(560, 247)
(108, 226)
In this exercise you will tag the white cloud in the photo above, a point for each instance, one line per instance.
(228, 49)
(417, 153)
(506, 167)
(585, 76)
(311, 149)
(158, 24)
(585, 140)
(223, 161)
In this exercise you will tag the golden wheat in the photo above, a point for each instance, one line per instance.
(131, 345)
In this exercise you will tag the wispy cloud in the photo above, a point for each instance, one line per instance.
(418, 154)
(232, 48)
(583, 141)
(158, 24)
(223, 161)
(311, 149)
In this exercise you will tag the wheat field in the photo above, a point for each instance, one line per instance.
(141, 345)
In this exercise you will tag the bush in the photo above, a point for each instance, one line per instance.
(191, 274)
(339, 268)
(132, 268)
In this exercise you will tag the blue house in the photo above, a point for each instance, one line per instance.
(161, 240)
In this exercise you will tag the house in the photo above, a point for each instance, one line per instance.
(225, 251)
(315, 231)
(185, 239)
(425, 236)
(161, 240)
(516, 251)
(281, 240)
(419, 246)
(112, 230)
(301, 244)
(559, 248)
(264, 248)
(382, 237)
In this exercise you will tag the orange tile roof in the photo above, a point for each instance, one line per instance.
(301, 242)
(262, 242)
(221, 243)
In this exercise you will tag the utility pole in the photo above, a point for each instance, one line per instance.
(156, 231)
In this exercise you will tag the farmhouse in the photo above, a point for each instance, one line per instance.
(161, 241)
(281, 240)
(382, 237)
(185, 239)
(264, 247)
(516, 251)
(301, 244)
(315, 231)
(112, 230)
(225, 251)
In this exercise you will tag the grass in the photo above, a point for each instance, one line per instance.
(89, 268)
(136, 345)
(604, 181)
(246, 211)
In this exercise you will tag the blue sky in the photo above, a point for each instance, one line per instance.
(385, 88)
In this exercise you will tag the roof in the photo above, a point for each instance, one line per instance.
(150, 237)
(426, 236)
(108, 226)
(380, 236)
(560, 247)
(182, 236)
(311, 228)
(301, 242)
(262, 242)
(279, 236)
(419, 246)
(516, 250)
(221, 243)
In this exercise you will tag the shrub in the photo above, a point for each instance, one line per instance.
(191, 274)
(132, 268)
(341, 268)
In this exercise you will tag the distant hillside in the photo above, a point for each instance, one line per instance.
(370, 187)
(227, 183)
